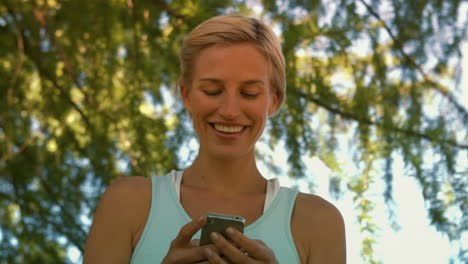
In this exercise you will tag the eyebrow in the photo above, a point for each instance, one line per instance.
(218, 81)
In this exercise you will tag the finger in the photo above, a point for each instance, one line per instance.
(237, 245)
(189, 255)
(228, 249)
(211, 247)
(187, 231)
(183, 255)
(254, 248)
(213, 257)
(195, 242)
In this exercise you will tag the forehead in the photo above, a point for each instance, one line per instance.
(234, 62)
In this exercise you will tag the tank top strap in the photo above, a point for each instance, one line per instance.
(164, 222)
(273, 187)
(274, 226)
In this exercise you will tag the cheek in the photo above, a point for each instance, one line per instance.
(263, 108)
(199, 105)
(201, 109)
(197, 123)
(260, 113)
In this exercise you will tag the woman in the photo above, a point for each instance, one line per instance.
(232, 80)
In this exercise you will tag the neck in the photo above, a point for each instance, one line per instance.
(227, 176)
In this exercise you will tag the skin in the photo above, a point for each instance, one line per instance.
(230, 87)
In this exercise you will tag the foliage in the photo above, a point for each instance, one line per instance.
(85, 99)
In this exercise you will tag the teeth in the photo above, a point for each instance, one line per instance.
(228, 129)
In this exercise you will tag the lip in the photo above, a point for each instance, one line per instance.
(230, 136)
(227, 124)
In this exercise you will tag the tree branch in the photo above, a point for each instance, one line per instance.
(10, 155)
(444, 92)
(9, 97)
(5, 197)
(19, 65)
(43, 72)
(350, 116)
(69, 217)
(136, 46)
(164, 6)
(41, 17)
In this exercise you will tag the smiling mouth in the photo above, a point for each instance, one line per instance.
(226, 128)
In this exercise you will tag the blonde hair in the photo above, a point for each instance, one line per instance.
(231, 29)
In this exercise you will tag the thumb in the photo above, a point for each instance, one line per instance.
(187, 231)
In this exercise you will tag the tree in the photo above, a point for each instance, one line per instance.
(84, 101)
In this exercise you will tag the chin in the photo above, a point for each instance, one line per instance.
(230, 153)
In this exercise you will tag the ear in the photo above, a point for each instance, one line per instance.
(184, 92)
(274, 103)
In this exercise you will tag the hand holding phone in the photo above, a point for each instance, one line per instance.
(183, 249)
(239, 249)
(217, 222)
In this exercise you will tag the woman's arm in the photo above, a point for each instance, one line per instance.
(121, 213)
(319, 230)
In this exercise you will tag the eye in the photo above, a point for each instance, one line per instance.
(212, 93)
(249, 95)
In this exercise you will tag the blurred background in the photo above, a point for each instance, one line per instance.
(375, 120)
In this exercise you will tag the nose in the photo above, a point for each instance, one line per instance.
(230, 106)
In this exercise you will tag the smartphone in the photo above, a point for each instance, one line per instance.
(217, 222)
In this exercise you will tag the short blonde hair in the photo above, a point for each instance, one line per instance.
(231, 29)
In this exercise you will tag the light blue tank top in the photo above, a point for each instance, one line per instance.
(167, 216)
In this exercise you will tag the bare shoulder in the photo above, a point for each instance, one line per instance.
(314, 208)
(129, 198)
(121, 213)
(136, 185)
(125, 195)
(318, 230)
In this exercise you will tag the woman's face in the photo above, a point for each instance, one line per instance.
(230, 99)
